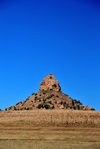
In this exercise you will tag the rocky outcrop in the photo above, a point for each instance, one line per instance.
(49, 83)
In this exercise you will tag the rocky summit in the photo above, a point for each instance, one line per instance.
(49, 83)
(50, 96)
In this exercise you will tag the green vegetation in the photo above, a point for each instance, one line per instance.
(73, 103)
(46, 106)
(35, 98)
(51, 89)
(77, 107)
(44, 100)
(77, 102)
(44, 93)
(52, 107)
(19, 102)
(57, 96)
(52, 95)
(74, 107)
(82, 107)
(40, 106)
(10, 107)
(27, 99)
(49, 102)
(93, 109)
(67, 105)
(54, 85)
(33, 93)
(28, 109)
(61, 102)
(14, 108)
(48, 97)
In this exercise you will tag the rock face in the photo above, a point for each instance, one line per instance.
(49, 83)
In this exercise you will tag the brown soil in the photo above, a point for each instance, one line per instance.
(68, 140)
(22, 124)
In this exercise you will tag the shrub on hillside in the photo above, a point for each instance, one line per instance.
(27, 108)
(70, 107)
(55, 102)
(78, 102)
(44, 100)
(48, 97)
(93, 109)
(35, 98)
(27, 99)
(44, 93)
(14, 108)
(52, 107)
(74, 107)
(61, 102)
(40, 106)
(52, 95)
(67, 105)
(64, 103)
(57, 96)
(82, 107)
(19, 103)
(72, 102)
(46, 106)
(49, 102)
(10, 107)
(54, 85)
(77, 107)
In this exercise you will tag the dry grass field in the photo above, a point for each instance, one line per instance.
(54, 129)
(54, 116)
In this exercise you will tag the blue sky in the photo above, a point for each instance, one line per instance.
(38, 37)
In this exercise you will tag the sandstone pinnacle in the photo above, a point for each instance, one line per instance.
(49, 83)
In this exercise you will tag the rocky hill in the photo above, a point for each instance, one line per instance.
(49, 97)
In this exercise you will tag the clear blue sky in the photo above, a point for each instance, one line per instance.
(38, 37)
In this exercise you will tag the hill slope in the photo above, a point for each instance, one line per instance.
(49, 97)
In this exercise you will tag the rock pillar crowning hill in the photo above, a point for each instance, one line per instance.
(49, 83)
